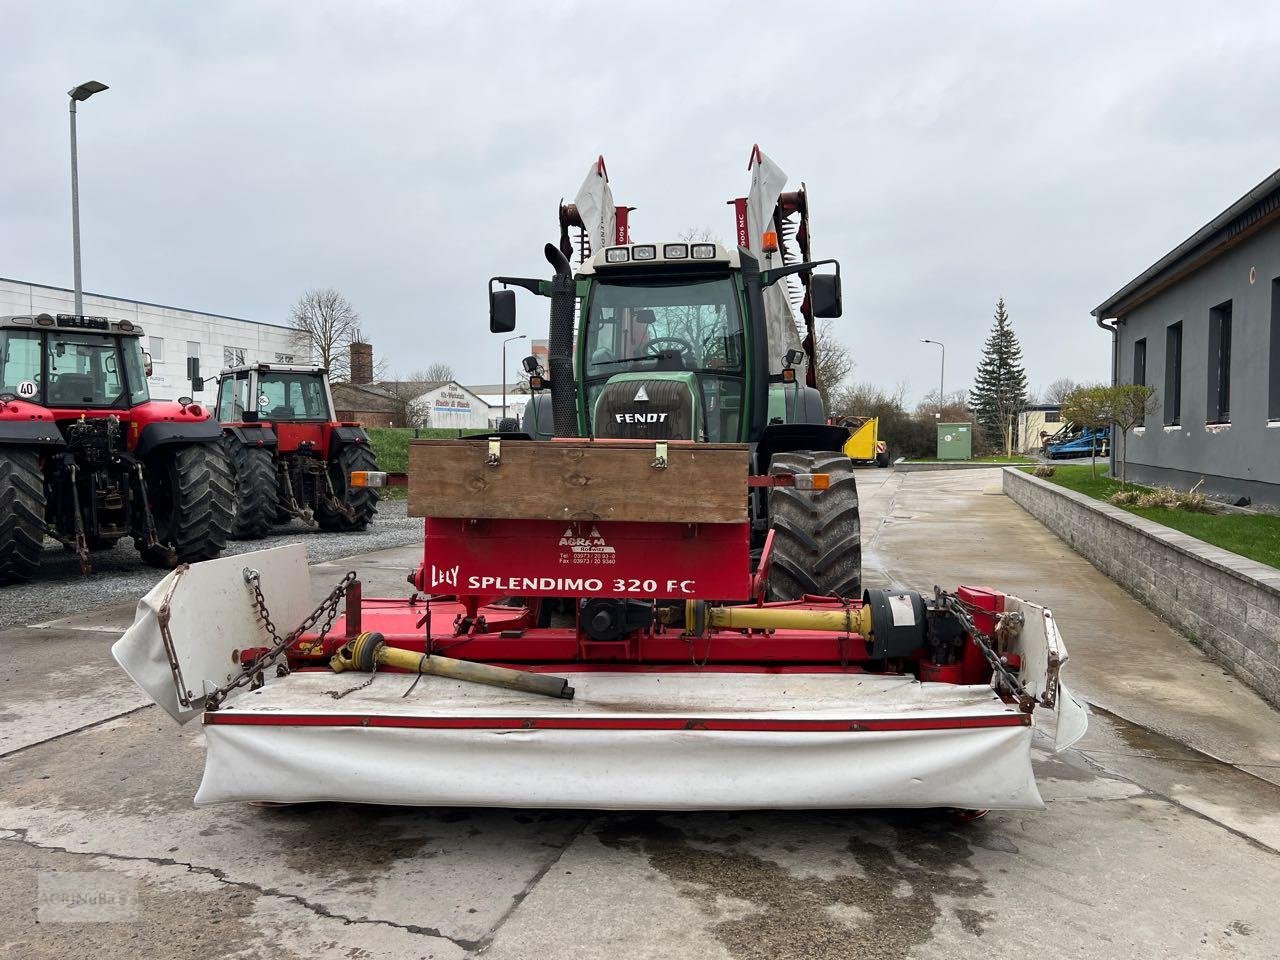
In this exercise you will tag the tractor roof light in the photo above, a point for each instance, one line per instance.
(704, 251)
(646, 252)
(675, 251)
(617, 255)
(770, 243)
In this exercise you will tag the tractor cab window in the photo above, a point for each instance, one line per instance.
(292, 396)
(135, 368)
(233, 398)
(692, 325)
(696, 324)
(84, 370)
(20, 363)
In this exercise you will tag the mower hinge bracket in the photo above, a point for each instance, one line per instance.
(660, 456)
(495, 453)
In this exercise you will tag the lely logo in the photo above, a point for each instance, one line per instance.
(448, 577)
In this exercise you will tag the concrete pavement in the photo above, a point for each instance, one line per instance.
(1160, 838)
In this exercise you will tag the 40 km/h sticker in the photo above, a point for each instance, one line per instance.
(27, 388)
(549, 558)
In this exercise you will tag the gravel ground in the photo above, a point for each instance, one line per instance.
(120, 575)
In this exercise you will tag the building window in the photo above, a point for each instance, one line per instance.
(1273, 397)
(157, 348)
(233, 356)
(1219, 364)
(1173, 374)
(1053, 416)
(284, 358)
(1140, 361)
(193, 349)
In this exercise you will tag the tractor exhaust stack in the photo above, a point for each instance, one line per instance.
(564, 406)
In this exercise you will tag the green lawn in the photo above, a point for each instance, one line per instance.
(1016, 458)
(391, 446)
(1256, 536)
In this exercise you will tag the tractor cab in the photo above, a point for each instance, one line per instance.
(72, 362)
(275, 393)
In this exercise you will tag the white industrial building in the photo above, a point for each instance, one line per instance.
(172, 334)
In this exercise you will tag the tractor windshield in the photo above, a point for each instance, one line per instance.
(692, 325)
(696, 325)
(292, 396)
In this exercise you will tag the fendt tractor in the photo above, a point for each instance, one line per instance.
(659, 607)
(87, 457)
(290, 456)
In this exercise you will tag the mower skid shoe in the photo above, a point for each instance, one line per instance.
(188, 631)
(627, 741)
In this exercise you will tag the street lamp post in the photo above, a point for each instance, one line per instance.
(523, 336)
(82, 92)
(942, 372)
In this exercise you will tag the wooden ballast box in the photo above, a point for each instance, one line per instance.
(579, 480)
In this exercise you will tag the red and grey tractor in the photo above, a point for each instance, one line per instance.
(290, 457)
(87, 457)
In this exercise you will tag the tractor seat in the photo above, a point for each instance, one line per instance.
(71, 389)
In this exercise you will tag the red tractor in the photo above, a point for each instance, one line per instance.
(289, 456)
(87, 457)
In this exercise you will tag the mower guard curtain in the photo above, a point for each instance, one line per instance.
(596, 208)
(767, 181)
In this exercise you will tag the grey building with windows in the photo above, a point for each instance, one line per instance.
(1202, 326)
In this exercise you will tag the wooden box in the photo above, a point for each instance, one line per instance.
(579, 480)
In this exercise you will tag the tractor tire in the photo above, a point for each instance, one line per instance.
(508, 425)
(257, 490)
(22, 505)
(817, 535)
(192, 494)
(364, 500)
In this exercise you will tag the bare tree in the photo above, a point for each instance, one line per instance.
(835, 363)
(328, 323)
(1059, 390)
(438, 371)
(1089, 407)
(1128, 406)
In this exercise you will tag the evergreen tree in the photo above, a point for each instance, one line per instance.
(1000, 385)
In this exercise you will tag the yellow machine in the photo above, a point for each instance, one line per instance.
(864, 444)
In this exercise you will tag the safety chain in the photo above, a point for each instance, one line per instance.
(328, 608)
(998, 664)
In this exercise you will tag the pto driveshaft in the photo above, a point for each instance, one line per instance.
(369, 651)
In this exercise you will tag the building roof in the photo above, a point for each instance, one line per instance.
(1258, 208)
(144, 303)
(349, 396)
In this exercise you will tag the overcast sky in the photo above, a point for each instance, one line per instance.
(405, 152)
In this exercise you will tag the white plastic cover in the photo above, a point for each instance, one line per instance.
(596, 208)
(1044, 656)
(767, 181)
(277, 745)
(211, 616)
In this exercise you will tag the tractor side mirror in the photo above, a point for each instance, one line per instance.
(824, 295)
(502, 311)
(147, 366)
(197, 384)
(530, 364)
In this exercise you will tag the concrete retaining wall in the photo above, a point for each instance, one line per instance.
(1226, 603)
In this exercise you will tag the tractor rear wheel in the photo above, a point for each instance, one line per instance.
(362, 500)
(257, 490)
(22, 505)
(817, 536)
(192, 496)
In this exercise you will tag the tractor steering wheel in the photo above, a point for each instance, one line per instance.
(684, 347)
